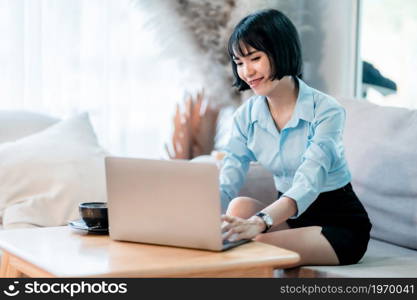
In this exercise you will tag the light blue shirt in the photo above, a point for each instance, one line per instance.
(306, 157)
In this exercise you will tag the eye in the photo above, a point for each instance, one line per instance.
(238, 63)
(255, 58)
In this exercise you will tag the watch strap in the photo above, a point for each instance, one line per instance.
(267, 220)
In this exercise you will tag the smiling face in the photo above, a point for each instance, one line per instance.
(275, 37)
(254, 68)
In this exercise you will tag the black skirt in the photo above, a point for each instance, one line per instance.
(344, 222)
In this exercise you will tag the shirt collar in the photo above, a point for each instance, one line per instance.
(303, 109)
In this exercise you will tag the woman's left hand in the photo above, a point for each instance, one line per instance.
(235, 228)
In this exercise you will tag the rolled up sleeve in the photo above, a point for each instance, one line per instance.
(324, 148)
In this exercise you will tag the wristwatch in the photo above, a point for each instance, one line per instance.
(267, 220)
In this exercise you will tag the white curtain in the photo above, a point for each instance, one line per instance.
(62, 57)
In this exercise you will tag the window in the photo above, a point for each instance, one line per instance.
(388, 49)
(61, 57)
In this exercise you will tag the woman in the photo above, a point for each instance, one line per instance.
(296, 132)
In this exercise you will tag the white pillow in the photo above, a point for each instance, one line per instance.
(16, 124)
(43, 177)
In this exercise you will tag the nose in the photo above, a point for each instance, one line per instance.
(248, 71)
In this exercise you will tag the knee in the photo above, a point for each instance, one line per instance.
(243, 207)
(266, 239)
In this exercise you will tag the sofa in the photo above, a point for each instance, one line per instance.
(381, 150)
(38, 153)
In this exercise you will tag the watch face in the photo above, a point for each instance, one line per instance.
(268, 220)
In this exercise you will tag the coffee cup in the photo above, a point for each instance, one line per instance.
(94, 214)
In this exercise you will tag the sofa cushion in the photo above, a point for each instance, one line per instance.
(44, 176)
(381, 149)
(259, 183)
(17, 124)
(382, 259)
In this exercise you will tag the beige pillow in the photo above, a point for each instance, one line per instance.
(43, 177)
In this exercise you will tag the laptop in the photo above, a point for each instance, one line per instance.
(165, 202)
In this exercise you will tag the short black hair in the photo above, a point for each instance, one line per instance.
(272, 32)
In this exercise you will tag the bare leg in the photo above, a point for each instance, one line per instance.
(313, 247)
(308, 242)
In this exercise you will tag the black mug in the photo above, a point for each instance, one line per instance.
(94, 214)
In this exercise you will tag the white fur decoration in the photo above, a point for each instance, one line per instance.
(196, 32)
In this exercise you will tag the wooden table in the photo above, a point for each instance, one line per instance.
(64, 252)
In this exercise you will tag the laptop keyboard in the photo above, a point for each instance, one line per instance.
(228, 244)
